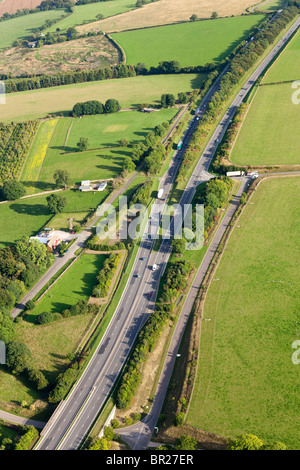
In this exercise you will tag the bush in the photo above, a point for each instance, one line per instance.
(43, 318)
(12, 190)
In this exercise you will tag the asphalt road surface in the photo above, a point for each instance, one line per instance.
(74, 417)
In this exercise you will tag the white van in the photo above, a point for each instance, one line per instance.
(154, 267)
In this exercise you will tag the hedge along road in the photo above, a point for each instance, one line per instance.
(68, 427)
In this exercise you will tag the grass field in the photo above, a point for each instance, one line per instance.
(100, 162)
(166, 12)
(77, 283)
(89, 12)
(287, 66)
(270, 5)
(107, 130)
(246, 380)
(270, 132)
(28, 216)
(193, 43)
(23, 26)
(129, 91)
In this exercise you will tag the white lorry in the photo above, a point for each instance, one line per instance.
(235, 173)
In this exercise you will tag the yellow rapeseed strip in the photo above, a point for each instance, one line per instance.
(38, 152)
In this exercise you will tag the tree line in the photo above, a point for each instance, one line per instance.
(101, 73)
(177, 273)
(15, 141)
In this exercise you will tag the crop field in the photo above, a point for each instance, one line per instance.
(287, 66)
(166, 12)
(35, 159)
(212, 41)
(86, 13)
(12, 6)
(129, 91)
(22, 26)
(270, 132)
(84, 53)
(246, 381)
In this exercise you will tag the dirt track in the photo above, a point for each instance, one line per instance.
(11, 6)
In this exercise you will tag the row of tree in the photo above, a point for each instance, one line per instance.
(14, 145)
(96, 107)
(105, 276)
(97, 74)
(149, 334)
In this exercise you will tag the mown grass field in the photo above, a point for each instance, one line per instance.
(246, 381)
(86, 13)
(107, 130)
(129, 91)
(287, 66)
(192, 43)
(270, 6)
(22, 26)
(75, 284)
(270, 132)
(28, 216)
(100, 162)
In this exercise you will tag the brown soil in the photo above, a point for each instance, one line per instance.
(80, 54)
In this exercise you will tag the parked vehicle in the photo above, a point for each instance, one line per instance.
(235, 173)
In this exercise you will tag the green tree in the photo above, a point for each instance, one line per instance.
(194, 17)
(56, 203)
(167, 100)
(179, 245)
(12, 190)
(124, 142)
(128, 165)
(112, 106)
(82, 145)
(185, 442)
(18, 357)
(245, 442)
(62, 178)
(214, 15)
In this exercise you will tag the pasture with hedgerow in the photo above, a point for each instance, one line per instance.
(111, 111)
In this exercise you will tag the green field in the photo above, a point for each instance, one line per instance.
(270, 6)
(246, 381)
(77, 283)
(287, 66)
(194, 43)
(23, 26)
(28, 216)
(100, 162)
(129, 91)
(107, 130)
(87, 13)
(270, 133)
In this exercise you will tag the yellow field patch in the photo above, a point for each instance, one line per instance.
(116, 128)
(37, 153)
